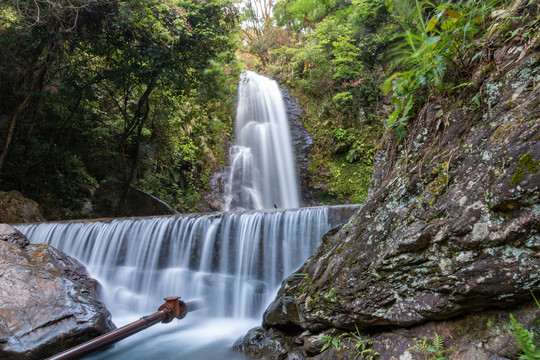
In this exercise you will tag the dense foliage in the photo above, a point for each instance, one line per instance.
(141, 92)
(331, 54)
(137, 92)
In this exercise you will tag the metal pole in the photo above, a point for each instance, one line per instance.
(171, 309)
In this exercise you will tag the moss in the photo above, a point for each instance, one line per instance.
(331, 296)
(511, 104)
(527, 164)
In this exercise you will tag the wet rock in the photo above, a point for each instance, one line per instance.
(262, 344)
(13, 236)
(282, 314)
(48, 303)
(213, 199)
(15, 208)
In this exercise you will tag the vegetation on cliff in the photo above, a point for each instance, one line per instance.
(332, 56)
(362, 67)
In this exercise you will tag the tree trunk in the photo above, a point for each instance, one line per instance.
(22, 106)
(31, 84)
(141, 120)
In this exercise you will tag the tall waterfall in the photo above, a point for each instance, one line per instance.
(262, 167)
(233, 261)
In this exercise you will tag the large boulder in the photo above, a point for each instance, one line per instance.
(138, 202)
(15, 208)
(451, 225)
(48, 303)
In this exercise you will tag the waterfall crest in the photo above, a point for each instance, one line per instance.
(262, 167)
(235, 261)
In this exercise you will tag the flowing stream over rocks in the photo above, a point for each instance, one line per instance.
(262, 171)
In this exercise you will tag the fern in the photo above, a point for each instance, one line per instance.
(327, 342)
(438, 342)
(524, 340)
(432, 348)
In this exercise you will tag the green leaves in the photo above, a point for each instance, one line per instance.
(432, 40)
(346, 59)
(524, 340)
(433, 349)
(118, 86)
(428, 50)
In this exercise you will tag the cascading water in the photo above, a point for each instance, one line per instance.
(262, 167)
(233, 261)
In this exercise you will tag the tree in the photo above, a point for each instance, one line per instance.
(85, 83)
(31, 37)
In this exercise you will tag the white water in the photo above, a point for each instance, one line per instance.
(262, 167)
(233, 261)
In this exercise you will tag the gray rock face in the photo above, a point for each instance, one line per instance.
(302, 143)
(48, 303)
(451, 224)
(261, 344)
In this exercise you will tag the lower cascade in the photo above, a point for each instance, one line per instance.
(234, 262)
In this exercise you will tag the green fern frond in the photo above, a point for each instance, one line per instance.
(524, 340)
(535, 300)
(438, 342)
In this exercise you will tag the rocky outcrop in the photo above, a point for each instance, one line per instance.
(302, 143)
(48, 303)
(451, 225)
(477, 336)
(15, 208)
(138, 203)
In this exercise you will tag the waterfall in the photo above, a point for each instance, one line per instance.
(262, 168)
(236, 260)
(233, 261)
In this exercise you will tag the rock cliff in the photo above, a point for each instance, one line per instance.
(302, 143)
(48, 303)
(450, 229)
